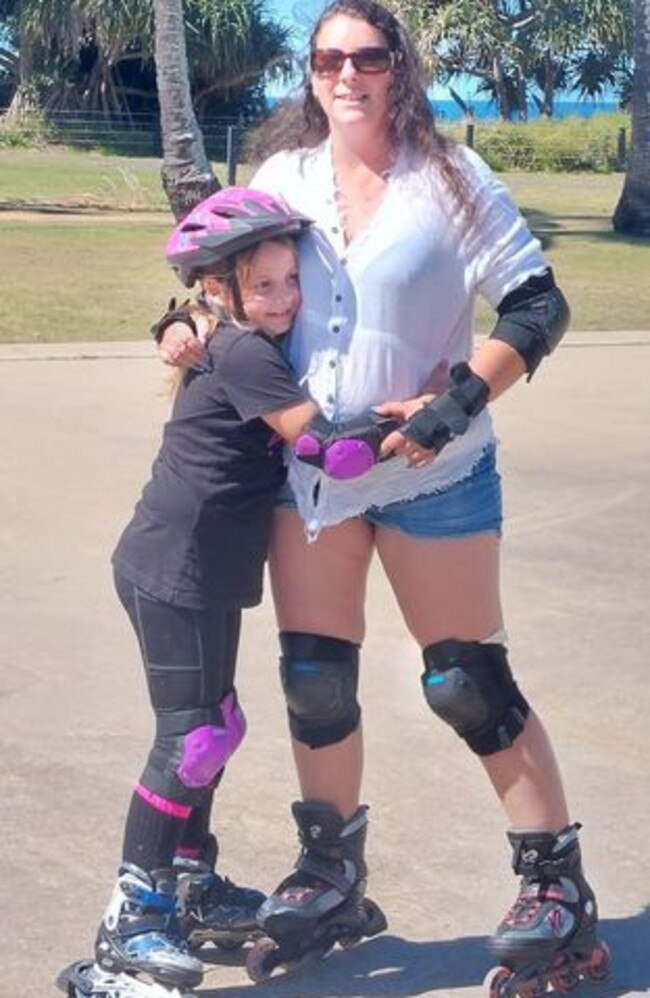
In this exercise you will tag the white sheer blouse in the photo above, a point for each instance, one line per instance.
(380, 312)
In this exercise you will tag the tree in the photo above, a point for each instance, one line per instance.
(98, 55)
(632, 214)
(517, 49)
(187, 175)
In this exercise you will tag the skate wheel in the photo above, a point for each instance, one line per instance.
(564, 981)
(375, 918)
(258, 966)
(75, 979)
(349, 942)
(599, 966)
(497, 982)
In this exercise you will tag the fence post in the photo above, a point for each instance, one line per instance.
(231, 154)
(621, 150)
(469, 134)
(156, 139)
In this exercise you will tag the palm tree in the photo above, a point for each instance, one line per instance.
(632, 214)
(187, 175)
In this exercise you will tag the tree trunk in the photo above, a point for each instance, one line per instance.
(503, 100)
(24, 100)
(549, 85)
(632, 214)
(187, 175)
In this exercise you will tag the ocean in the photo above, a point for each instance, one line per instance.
(448, 110)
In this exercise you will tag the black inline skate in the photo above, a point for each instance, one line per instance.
(322, 903)
(212, 908)
(139, 951)
(549, 935)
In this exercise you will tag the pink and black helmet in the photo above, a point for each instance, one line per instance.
(231, 220)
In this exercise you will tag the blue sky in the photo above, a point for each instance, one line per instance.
(300, 16)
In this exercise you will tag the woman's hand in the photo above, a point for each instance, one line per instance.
(179, 346)
(396, 443)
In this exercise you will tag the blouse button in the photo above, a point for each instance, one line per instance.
(336, 329)
(330, 399)
(335, 230)
(338, 297)
(332, 363)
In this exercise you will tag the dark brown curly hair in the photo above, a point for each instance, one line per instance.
(411, 121)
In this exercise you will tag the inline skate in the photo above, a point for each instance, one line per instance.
(322, 903)
(139, 951)
(549, 935)
(212, 908)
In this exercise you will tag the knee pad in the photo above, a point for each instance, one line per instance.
(193, 746)
(320, 676)
(470, 686)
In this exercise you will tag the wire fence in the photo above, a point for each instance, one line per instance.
(514, 147)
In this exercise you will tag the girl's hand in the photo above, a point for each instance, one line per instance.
(179, 346)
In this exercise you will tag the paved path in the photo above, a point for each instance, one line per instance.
(79, 428)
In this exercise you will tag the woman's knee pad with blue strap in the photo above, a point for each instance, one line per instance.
(320, 677)
(470, 686)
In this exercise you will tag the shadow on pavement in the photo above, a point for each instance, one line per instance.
(392, 967)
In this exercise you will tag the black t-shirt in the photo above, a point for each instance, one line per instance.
(201, 528)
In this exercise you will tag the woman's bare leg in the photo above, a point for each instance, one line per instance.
(450, 588)
(320, 588)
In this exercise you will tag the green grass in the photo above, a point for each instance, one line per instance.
(68, 178)
(102, 276)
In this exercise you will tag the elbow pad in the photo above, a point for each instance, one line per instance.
(348, 450)
(533, 319)
(449, 414)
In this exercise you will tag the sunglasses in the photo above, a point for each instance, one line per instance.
(373, 59)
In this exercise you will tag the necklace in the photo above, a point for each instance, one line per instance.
(357, 203)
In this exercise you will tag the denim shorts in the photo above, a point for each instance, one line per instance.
(471, 506)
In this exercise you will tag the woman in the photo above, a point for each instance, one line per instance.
(409, 229)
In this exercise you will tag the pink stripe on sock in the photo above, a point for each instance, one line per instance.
(162, 804)
(186, 852)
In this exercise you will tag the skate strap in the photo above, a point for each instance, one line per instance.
(325, 871)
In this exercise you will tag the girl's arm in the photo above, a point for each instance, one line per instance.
(289, 423)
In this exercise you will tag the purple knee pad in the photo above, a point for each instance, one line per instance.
(341, 459)
(207, 749)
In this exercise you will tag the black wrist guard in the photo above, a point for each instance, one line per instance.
(449, 414)
(174, 314)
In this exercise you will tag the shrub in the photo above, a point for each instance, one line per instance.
(568, 145)
(24, 130)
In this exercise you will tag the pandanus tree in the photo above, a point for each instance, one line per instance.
(516, 49)
(632, 214)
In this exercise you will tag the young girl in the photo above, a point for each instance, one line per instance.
(188, 562)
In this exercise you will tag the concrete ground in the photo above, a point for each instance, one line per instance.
(80, 426)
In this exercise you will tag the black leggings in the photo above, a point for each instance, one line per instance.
(189, 658)
(189, 655)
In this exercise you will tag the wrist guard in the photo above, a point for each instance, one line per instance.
(182, 313)
(449, 414)
(348, 450)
